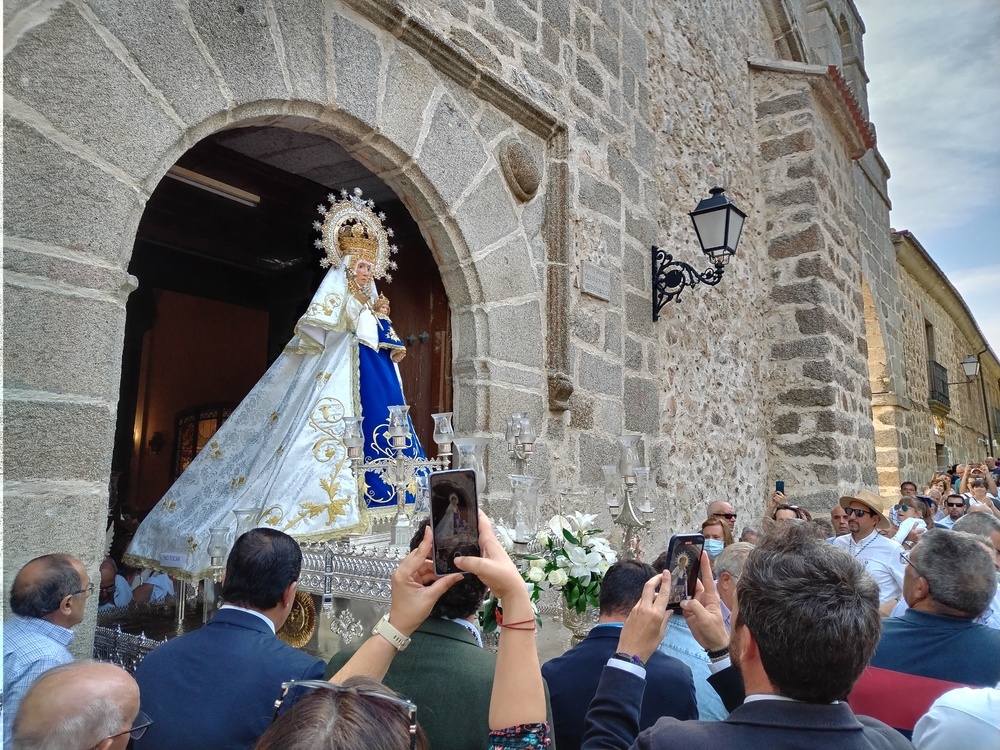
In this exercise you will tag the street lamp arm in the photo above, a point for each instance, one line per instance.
(671, 277)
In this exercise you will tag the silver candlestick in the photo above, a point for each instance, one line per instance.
(397, 470)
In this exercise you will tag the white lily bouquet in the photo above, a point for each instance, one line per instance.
(573, 560)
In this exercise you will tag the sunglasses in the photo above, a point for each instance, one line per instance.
(139, 727)
(410, 706)
(727, 516)
(955, 505)
(858, 512)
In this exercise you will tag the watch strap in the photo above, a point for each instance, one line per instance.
(630, 658)
(387, 631)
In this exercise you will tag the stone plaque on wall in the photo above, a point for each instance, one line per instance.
(595, 281)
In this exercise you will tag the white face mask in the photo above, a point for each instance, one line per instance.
(714, 547)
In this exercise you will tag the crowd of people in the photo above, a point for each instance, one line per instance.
(872, 629)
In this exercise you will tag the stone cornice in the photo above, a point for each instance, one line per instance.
(451, 61)
(916, 261)
(835, 93)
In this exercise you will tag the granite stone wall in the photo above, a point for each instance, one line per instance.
(822, 442)
(525, 137)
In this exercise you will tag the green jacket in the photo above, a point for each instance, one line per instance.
(449, 677)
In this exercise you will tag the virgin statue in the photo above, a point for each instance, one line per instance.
(281, 451)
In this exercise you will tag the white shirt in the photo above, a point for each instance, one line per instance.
(880, 556)
(253, 612)
(967, 718)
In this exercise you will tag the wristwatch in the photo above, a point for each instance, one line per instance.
(387, 631)
(630, 658)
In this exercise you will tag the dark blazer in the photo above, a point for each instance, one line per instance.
(573, 679)
(613, 722)
(729, 685)
(449, 677)
(215, 687)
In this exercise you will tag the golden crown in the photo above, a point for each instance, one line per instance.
(355, 240)
(352, 230)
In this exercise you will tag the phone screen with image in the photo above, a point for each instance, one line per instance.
(684, 564)
(454, 518)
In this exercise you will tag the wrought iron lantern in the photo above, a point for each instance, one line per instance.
(718, 224)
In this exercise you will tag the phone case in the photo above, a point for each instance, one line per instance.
(454, 518)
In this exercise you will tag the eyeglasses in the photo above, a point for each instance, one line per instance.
(858, 512)
(139, 727)
(88, 590)
(955, 505)
(905, 559)
(727, 516)
(410, 706)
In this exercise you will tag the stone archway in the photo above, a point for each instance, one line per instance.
(97, 113)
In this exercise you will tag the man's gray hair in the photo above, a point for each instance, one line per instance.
(732, 559)
(752, 531)
(960, 573)
(99, 720)
(978, 524)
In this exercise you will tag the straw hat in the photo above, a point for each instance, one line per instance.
(872, 501)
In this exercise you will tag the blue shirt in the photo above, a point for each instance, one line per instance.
(30, 647)
(123, 595)
(679, 643)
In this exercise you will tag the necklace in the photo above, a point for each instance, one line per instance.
(862, 549)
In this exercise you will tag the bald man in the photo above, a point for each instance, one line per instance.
(85, 704)
(723, 510)
(48, 598)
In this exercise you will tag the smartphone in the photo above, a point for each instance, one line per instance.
(684, 564)
(454, 518)
(779, 486)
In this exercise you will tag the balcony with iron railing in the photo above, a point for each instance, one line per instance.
(938, 375)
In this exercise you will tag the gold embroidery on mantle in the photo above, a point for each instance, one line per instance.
(328, 413)
(216, 450)
(328, 306)
(333, 507)
(238, 482)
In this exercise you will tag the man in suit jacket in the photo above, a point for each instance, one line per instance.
(573, 677)
(804, 625)
(216, 687)
(445, 669)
